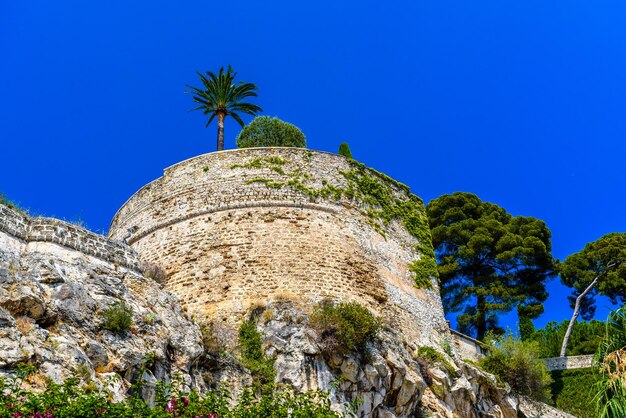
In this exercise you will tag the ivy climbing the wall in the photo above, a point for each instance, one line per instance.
(373, 193)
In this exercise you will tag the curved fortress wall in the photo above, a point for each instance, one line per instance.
(236, 228)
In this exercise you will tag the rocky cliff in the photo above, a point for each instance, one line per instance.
(57, 280)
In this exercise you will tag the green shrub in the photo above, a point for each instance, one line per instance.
(118, 318)
(573, 391)
(344, 149)
(265, 131)
(517, 363)
(252, 353)
(344, 327)
(432, 356)
(73, 401)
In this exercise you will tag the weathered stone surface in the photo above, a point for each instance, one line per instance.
(531, 408)
(350, 369)
(232, 248)
(52, 296)
(228, 241)
(569, 362)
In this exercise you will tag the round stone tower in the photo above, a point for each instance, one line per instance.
(234, 229)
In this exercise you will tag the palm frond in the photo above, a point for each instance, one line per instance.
(220, 93)
(236, 116)
(213, 115)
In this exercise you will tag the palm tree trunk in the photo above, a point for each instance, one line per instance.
(575, 316)
(220, 131)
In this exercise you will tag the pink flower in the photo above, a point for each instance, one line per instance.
(17, 415)
(185, 401)
(171, 405)
(48, 415)
(212, 415)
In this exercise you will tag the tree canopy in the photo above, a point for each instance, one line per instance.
(584, 339)
(265, 131)
(604, 259)
(221, 96)
(489, 261)
(598, 268)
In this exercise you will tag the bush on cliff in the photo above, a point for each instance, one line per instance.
(344, 327)
(265, 131)
(118, 318)
(252, 353)
(432, 356)
(517, 363)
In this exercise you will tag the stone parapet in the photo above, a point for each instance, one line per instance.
(40, 229)
(569, 362)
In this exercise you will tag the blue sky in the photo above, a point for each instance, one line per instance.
(522, 103)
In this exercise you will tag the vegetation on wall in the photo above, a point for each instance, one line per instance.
(517, 363)
(377, 198)
(344, 327)
(489, 261)
(265, 131)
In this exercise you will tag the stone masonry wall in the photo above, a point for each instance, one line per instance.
(234, 229)
(467, 347)
(65, 234)
(569, 362)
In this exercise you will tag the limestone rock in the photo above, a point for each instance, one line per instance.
(51, 304)
(57, 279)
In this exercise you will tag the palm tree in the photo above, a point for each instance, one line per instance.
(221, 97)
